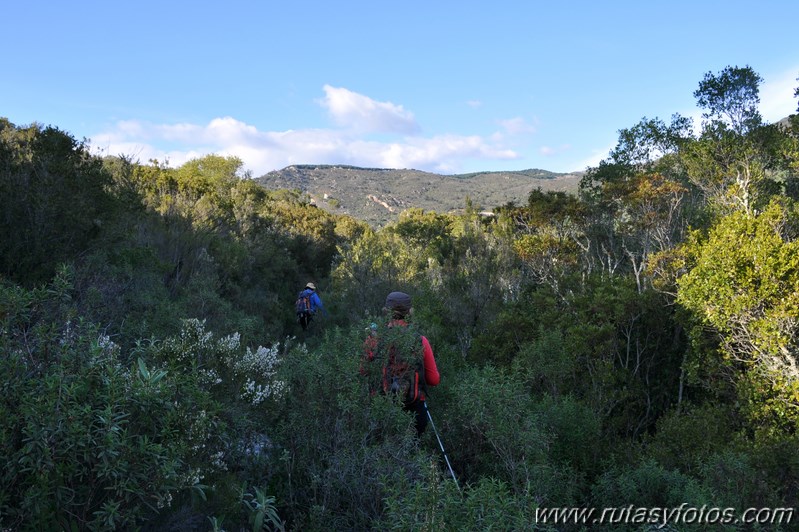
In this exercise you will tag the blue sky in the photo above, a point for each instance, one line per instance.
(444, 86)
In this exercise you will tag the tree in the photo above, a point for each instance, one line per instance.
(735, 156)
(743, 288)
(651, 220)
(796, 95)
(731, 96)
(643, 148)
(479, 275)
(549, 237)
(53, 200)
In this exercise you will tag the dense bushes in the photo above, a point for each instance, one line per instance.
(100, 438)
(335, 452)
(53, 200)
(90, 441)
(151, 376)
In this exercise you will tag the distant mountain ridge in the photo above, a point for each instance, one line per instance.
(378, 195)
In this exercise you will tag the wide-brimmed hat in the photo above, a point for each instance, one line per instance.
(311, 286)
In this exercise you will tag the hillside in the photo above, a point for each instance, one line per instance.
(378, 195)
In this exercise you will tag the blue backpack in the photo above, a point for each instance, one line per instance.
(303, 303)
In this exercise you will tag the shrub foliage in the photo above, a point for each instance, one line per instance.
(633, 345)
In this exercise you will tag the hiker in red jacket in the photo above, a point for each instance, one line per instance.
(398, 304)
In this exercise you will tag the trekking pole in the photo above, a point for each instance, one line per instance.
(441, 445)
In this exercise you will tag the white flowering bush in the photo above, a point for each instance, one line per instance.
(98, 437)
(249, 375)
(193, 347)
(230, 344)
(259, 370)
(239, 380)
(89, 442)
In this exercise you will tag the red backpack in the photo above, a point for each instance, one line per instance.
(400, 353)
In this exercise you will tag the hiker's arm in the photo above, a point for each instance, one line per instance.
(318, 303)
(431, 375)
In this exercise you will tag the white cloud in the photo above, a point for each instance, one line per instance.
(776, 95)
(442, 153)
(474, 104)
(594, 158)
(361, 113)
(517, 126)
(263, 151)
(549, 151)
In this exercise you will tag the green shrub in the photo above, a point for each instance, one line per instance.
(547, 363)
(685, 439)
(435, 505)
(736, 481)
(89, 442)
(574, 433)
(647, 485)
(778, 463)
(95, 442)
(492, 428)
(338, 451)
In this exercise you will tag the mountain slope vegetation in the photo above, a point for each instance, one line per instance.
(379, 195)
(630, 346)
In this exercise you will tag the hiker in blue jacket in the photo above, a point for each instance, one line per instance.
(308, 303)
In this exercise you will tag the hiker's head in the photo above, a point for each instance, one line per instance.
(311, 286)
(399, 304)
